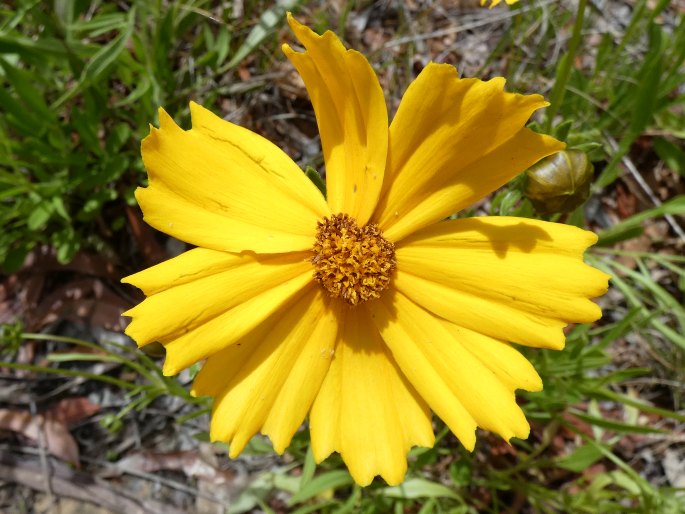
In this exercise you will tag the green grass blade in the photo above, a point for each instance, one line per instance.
(268, 21)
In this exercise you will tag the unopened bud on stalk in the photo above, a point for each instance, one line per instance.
(560, 182)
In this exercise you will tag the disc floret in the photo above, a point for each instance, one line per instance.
(352, 263)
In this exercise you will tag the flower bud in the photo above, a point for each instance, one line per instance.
(560, 182)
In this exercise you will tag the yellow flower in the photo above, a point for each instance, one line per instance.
(365, 311)
(495, 2)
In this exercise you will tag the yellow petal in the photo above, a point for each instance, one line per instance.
(510, 367)
(187, 267)
(352, 118)
(225, 329)
(513, 279)
(400, 336)
(268, 380)
(495, 2)
(456, 385)
(366, 410)
(452, 142)
(205, 326)
(223, 187)
(203, 284)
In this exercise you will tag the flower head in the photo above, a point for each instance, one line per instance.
(363, 310)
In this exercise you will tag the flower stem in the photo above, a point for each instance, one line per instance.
(564, 70)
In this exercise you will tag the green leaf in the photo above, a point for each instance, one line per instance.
(30, 48)
(562, 130)
(23, 82)
(648, 86)
(587, 147)
(39, 216)
(314, 507)
(15, 257)
(664, 300)
(351, 505)
(626, 481)
(106, 56)
(672, 155)
(118, 136)
(64, 12)
(640, 102)
(268, 21)
(558, 90)
(323, 483)
(140, 91)
(308, 467)
(626, 228)
(616, 426)
(67, 244)
(101, 61)
(222, 45)
(100, 24)
(314, 176)
(429, 507)
(580, 459)
(18, 117)
(419, 488)
(59, 208)
(638, 404)
(509, 202)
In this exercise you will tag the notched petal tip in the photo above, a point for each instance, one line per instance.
(140, 195)
(493, 3)
(290, 18)
(558, 343)
(590, 237)
(535, 387)
(195, 111)
(441, 67)
(215, 436)
(279, 446)
(136, 279)
(222, 432)
(201, 117)
(170, 368)
(302, 32)
(468, 441)
(311, 40)
(132, 331)
(150, 141)
(605, 287)
(321, 449)
(352, 117)
(522, 435)
(234, 452)
(287, 50)
(361, 479)
(166, 122)
(500, 82)
(305, 35)
(442, 115)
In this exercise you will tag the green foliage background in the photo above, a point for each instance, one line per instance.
(81, 80)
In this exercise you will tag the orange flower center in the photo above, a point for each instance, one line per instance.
(351, 262)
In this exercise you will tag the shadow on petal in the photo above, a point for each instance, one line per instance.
(522, 236)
